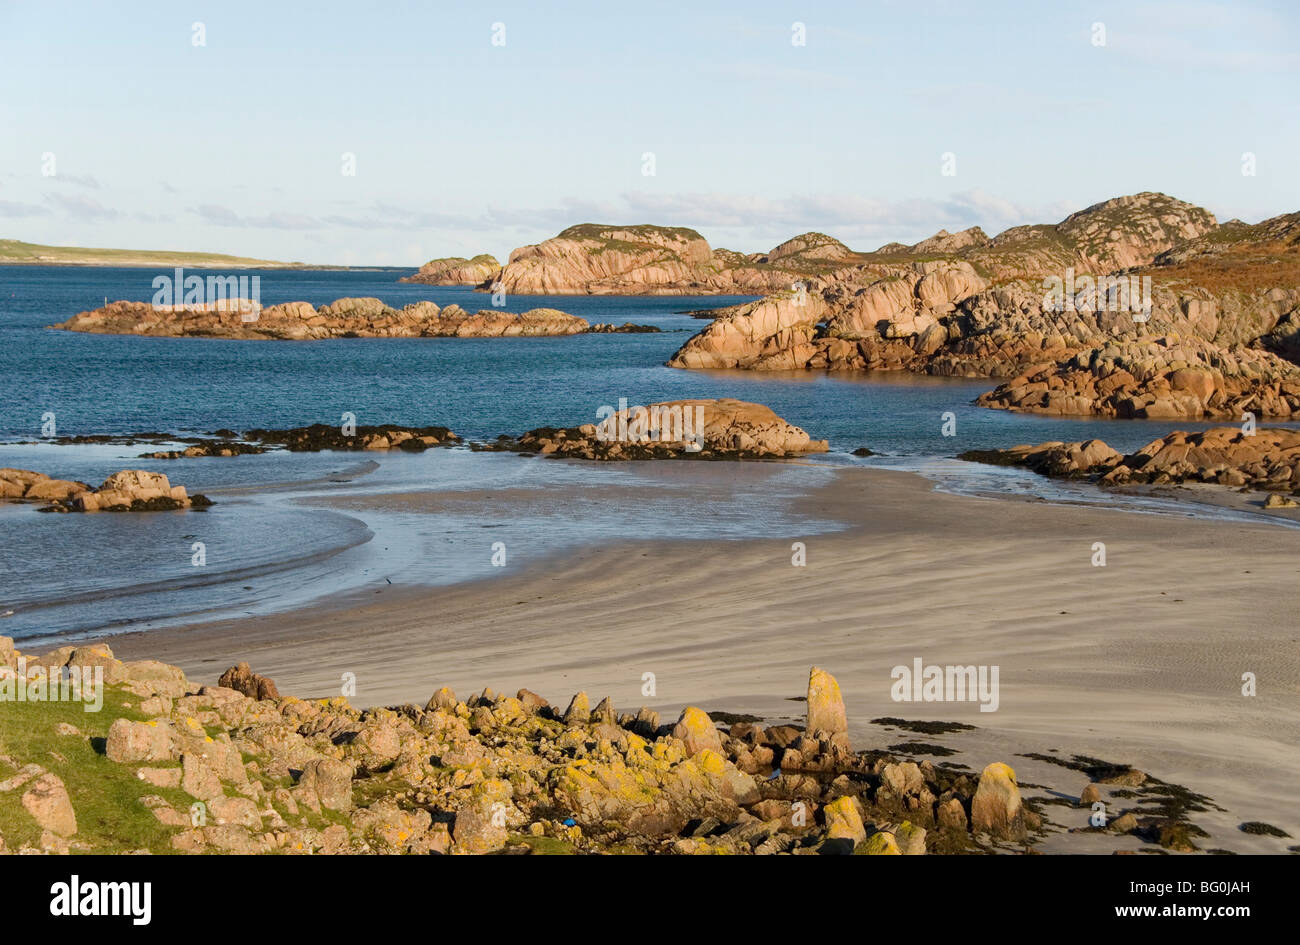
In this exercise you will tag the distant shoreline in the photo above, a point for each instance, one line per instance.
(87, 264)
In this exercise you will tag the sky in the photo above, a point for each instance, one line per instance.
(480, 126)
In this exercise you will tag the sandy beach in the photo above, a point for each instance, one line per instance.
(1136, 662)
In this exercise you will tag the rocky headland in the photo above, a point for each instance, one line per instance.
(131, 490)
(1267, 459)
(237, 768)
(1059, 311)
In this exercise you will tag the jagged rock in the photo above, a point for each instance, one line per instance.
(243, 680)
(603, 714)
(579, 711)
(443, 699)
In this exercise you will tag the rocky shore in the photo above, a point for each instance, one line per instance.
(131, 490)
(1141, 306)
(1267, 459)
(237, 768)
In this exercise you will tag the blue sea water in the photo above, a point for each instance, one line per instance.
(275, 540)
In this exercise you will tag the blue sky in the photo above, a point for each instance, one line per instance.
(463, 146)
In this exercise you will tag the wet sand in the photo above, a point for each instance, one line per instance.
(1138, 662)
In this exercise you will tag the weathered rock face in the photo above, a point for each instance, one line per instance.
(593, 259)
(698, 429)
(1200, 338)
(457, 270)
(344, 318)
(1267, 459)
(1159, 378)
(131, 490)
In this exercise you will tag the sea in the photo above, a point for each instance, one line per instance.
(291, 529)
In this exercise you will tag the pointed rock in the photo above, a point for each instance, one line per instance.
(443, 699)
(996, 807)
(826, 715)
(604, 713)
(579, 710)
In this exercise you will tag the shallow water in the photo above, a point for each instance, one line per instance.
(325, 527)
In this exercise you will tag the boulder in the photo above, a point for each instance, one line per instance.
(130, 742)
(697, 731)
(243, 680)
(48, 802)
(996, 807)
(330, 781)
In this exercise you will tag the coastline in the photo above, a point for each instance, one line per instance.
(1128, 663)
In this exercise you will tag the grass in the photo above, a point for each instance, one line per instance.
(105, 795)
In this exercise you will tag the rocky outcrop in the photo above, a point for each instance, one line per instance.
(1198, 323)
(488, 774)
(1266, 459)
(1157, 378)
(679, 429)
(300, 321)
(594, 259)
(215, 447)
(243, 680)
(131, 490)
(215, 770)
(321, 436)
(457, 270)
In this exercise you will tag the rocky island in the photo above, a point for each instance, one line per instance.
(457, 270)
(131, 490)
(679, 429)
(301, 321)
